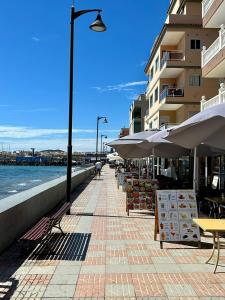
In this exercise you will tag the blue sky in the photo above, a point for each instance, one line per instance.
(34, 69)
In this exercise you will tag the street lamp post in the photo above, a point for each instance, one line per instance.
(98, 26)
(105, 121)
(102, 136)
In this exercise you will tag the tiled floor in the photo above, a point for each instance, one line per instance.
(107, 255)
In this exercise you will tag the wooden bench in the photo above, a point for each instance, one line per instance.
(57, 214)
(41, 231)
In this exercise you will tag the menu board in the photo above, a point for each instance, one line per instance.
(176, 209)
(140, 193)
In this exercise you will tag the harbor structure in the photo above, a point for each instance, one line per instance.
(175, 83)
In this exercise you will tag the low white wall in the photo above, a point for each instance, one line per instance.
(22, 210)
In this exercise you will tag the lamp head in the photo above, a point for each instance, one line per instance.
(106, 137)
(98, 24)
(105, 120)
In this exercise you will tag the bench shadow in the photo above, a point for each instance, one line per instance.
(71, 246)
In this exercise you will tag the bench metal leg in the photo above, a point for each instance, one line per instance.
(59, 227)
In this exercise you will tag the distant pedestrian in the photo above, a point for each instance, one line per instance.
(98, 167)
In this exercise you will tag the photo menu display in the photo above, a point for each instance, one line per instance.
(140, 193)
(176, 209)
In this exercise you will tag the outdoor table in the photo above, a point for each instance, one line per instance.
(218, 201)
(215, 226)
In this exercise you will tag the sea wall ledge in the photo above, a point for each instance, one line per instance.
(22, 210)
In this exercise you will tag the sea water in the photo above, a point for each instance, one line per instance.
(15, 179)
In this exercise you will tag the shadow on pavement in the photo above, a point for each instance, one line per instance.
(111, 216)
(71, 246)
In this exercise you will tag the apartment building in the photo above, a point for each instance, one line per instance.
(213, 56)
(138, 112)
(175, 84)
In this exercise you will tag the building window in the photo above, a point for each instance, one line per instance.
(150, 125)
(151, 101)
(151, 73)
(157, 64)
(195, 80)
(195, 44)
(156, 94)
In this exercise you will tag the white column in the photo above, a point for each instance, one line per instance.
(206, 171)
(221, 91)
(203, 101)
(222, 28)
(195, 170)
(202, 56)
(153, 163)
(157, 165)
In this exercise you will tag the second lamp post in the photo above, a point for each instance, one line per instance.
(104, 121)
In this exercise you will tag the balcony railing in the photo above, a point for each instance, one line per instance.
(171, 92)
(206, 4)
(170, 56)
(218, 44)
(218, 99)
(167, 125)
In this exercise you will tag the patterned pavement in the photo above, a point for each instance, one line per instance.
(107, 255)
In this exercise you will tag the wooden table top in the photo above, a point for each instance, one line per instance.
(211, 224)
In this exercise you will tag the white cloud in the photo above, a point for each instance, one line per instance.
(36, 39)
(121, 87)
(27, 132)
(143, 63)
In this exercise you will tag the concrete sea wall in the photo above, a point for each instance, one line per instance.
(22, 210)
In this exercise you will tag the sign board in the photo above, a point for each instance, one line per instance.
(140, 193)
(176, 209)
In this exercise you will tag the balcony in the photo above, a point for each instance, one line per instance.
(206, 4)
(213, 13)
(218, 99)
(219, 43)
(213, 57)
(171, 92)
(168, 56)
(185, 19)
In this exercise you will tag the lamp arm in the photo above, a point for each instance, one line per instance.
(77, 14)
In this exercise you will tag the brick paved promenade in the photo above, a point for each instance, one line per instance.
(108, 255)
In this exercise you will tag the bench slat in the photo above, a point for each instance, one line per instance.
(38, 230)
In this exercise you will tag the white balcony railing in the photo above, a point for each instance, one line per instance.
(218, 44)
(218, 99)
(206, 4)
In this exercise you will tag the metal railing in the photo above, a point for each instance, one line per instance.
(218, 99)
(171, 55)
(171, 92)
(217, 45)
(167, 125)
(206, 4)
